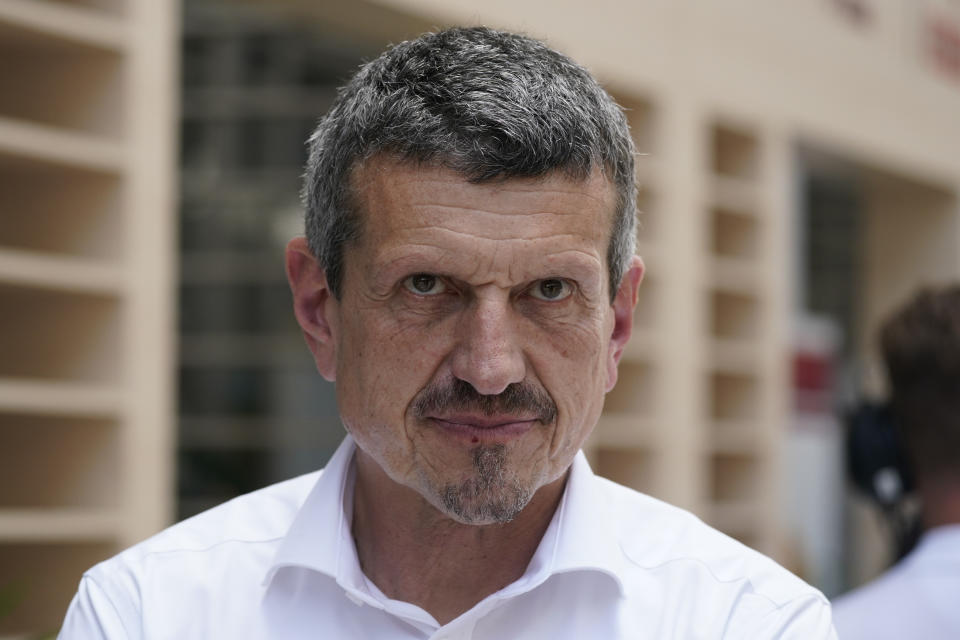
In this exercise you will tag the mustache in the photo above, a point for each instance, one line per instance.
(458, 395)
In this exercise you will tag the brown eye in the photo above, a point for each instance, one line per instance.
(551, 289)
(424, 284)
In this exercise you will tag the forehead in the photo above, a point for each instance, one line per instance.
(398, 199)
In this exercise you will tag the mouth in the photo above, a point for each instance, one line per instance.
(476, 428)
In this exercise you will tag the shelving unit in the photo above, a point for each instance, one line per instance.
(739, 481)
(85, 256)
(625, 445)
(715, 457)
(30, 397)
(43, 574)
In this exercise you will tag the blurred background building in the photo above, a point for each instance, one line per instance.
(799, 177)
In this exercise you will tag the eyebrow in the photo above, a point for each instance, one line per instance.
(438, 262)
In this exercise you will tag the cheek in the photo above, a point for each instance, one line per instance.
(381, 367)
(572, 367)
(576, 349)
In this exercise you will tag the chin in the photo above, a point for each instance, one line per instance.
(492, 493)
(466, 505)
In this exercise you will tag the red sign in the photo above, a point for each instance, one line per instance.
(943, 45)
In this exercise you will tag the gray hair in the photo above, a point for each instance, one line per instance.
(485, 103)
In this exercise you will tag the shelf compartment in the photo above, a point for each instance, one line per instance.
(623, 431)
(46, 575)
(59, 399)
(733, 396)
(733, 315)
(23, 145)
(734, 275)
(49, 461)
(634, 393)
(76, 74)
(735, 437)
(740, 520)
(634, 468)
(734, 152)
(734, 478)
(734, 356)
(736, 194)
(734, 235)
(57, 525)
(75, 25)
(53, 273)
(59, 336)
(59, 210)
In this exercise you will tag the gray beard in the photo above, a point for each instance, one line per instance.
(491, 496)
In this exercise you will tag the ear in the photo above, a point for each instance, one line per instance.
(623, 305)
(313, 305)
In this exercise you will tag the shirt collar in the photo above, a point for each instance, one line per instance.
(580, 537)
(319, 537)
(587, 539)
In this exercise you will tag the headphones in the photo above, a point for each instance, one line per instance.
(876, 458)
(878, 465)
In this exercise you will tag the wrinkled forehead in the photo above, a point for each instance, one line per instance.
(385, 185)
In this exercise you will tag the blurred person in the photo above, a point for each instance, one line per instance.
(919, 596)
(468, 280)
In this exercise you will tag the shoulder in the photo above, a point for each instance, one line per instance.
(232, 543)
(260, 516)
(654, 535)
(669, 549)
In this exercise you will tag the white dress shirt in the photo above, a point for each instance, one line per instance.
(280, 563)
(918, 598)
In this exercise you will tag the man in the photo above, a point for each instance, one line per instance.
(468, 279)
(918, 597)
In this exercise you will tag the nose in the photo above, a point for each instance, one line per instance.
(488, 355)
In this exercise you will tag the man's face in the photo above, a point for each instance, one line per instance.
(474, 339)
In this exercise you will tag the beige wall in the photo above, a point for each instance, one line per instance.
(799, 64)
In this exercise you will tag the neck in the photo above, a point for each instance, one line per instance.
(416, 554)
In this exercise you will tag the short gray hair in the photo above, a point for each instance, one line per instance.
(485, 103)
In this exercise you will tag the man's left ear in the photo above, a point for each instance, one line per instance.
(623, 305)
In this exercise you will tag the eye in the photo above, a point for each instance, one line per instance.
(551, 289)
(424, 284)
